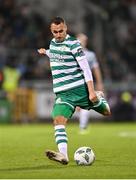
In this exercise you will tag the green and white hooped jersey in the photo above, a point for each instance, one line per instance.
(64, 57)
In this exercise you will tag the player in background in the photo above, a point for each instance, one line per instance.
(72, 85)
(94, 66)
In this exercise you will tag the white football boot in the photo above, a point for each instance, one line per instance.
(57, 156)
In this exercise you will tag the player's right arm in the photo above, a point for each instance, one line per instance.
(43, 51)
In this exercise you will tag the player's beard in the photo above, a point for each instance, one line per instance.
(60, 39)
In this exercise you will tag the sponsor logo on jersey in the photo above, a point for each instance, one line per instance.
(56, 57)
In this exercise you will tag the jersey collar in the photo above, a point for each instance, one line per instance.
(67, 36)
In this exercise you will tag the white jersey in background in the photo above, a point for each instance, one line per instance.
(91, 57)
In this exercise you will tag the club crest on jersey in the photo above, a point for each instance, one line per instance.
(60, 48)
(64, 48)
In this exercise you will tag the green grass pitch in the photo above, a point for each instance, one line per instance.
(22, 150)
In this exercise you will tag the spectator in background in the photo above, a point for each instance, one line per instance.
(94, 66)
(11, 76)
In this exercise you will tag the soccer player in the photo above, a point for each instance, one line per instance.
(72, 84)
(94, 66)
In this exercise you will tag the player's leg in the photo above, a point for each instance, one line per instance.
(102, 105)
(61, 141)
(83, 119)
(61, 113)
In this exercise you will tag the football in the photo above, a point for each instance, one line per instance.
(84, 156)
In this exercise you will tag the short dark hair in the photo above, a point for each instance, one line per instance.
(57, 20)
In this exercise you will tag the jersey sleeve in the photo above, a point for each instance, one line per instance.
(80, 56)
(77, 51)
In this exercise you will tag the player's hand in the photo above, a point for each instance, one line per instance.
(93, 98)
(41, 51)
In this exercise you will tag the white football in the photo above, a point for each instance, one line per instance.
(84, 156)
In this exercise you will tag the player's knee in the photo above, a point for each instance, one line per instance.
(60, 120)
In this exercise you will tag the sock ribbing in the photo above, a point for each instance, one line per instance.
(60, 134)
(61, 139)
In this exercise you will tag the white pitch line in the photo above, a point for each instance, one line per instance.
(128, 134)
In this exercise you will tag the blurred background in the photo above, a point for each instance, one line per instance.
(25, 80)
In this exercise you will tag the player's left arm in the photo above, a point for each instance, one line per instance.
(79, 55)
(83, 63)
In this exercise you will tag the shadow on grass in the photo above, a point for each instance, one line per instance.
(60, 166)
(42, 167)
